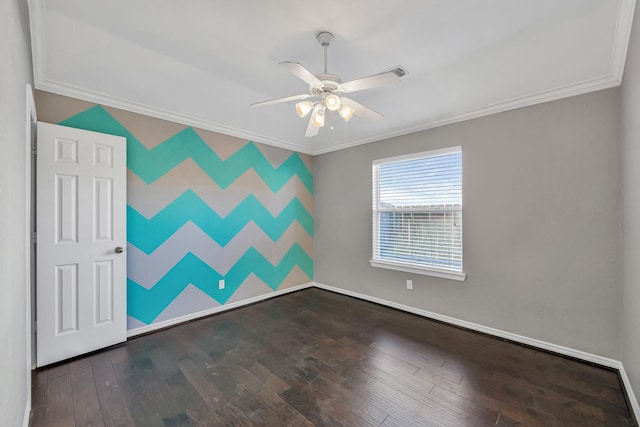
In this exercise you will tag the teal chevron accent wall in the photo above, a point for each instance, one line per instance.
(148, 234)
(202, 207)
(152, 164)
(192, 270)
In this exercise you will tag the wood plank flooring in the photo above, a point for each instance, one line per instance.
(317, 358)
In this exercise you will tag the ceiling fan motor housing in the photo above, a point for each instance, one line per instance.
(330, 84)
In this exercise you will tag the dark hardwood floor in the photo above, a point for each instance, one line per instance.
(318, 358)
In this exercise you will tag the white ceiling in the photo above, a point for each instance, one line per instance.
(203, 62)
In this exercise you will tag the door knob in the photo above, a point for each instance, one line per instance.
(119, 249)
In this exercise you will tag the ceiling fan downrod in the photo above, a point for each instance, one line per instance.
(325, 38)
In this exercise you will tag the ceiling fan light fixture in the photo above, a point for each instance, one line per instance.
(332, 102)
(346, 112)
(303, 108)
(317, 119)
(327, 90)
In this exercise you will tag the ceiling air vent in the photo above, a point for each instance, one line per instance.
(399, 71)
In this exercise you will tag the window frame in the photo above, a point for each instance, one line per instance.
(408, 267)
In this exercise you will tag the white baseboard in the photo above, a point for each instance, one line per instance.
(635, 405)
(593, 358)
(209, 312)
(27, 412)
(543, 345)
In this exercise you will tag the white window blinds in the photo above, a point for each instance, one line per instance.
(417, 210)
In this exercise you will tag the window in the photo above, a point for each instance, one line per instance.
(417, 213)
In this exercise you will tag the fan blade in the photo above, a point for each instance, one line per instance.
(360, 110)
(279, 100)
(377, 80)
(311, 129)
(302, 73)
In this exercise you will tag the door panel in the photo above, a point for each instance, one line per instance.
(81, 219)
(103, 293)
(66, 210)
(104, 208)
(66, 298)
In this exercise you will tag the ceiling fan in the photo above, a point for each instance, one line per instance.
(328, 91)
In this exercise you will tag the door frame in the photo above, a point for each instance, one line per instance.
(30, 136)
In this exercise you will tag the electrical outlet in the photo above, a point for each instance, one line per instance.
(409, 284)
(221, 284)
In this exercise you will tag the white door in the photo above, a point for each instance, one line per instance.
(81, 235)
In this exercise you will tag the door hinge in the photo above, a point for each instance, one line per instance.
(34, 238)
(34, 149)
(34, 327)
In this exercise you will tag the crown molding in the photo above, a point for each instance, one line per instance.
(38, 49)
(610, 79)
(623, 35)
(158, 113)
(592, 85)
(38, 58)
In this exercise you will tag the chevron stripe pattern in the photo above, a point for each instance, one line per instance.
(195, 217)
(192, 270)
(152, 164)
(148, 234)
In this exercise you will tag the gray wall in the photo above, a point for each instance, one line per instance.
(541, 219)
(15, 69)
(631, 211)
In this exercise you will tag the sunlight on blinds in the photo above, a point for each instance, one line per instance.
(417, 209)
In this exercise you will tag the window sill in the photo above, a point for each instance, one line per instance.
(410, 268)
